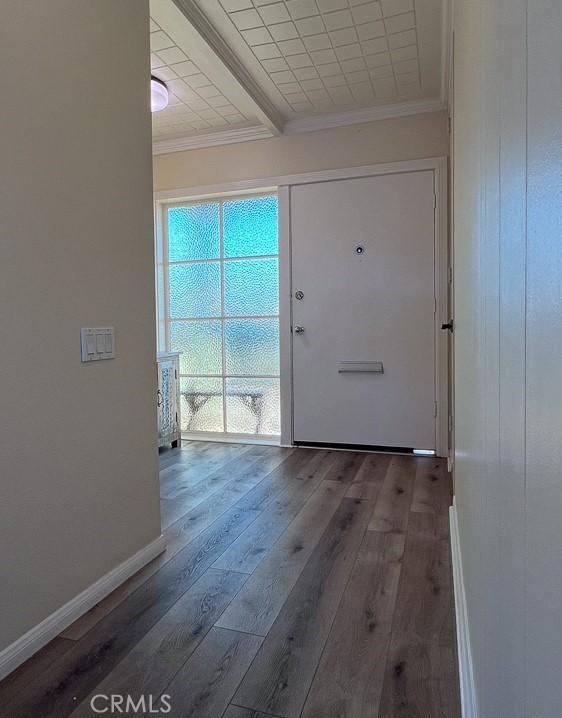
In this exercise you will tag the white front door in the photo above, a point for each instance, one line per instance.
(363, 259)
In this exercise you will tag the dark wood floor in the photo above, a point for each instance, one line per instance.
(296, 583)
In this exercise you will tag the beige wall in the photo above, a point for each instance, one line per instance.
(508, 344)
(78, 475)
(403, 138)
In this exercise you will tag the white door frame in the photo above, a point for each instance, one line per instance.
(438, 165)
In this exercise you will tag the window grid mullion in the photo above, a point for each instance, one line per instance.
(221, 250)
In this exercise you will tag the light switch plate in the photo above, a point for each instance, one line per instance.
(97, 343)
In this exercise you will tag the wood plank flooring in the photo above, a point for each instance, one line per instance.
(297, 583)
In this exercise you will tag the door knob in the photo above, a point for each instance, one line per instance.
(299, 329)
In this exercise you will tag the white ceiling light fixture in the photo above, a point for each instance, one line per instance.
(158, 94)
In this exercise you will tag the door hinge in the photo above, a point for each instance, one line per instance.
(450, 423)
(434, 408)
(434, 305)
(434, 201)
(176, 373)
(450, 275)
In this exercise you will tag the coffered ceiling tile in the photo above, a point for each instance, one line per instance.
(291, 47)
(338, 20)
(341, 95)
(329, 5)
(335, 81)
(276, 64)
(344, 37)
(332, 68)
(298, 61)
(208, 91)
(159, 40)
(357, 63)
(274, 13)
(401, 39)
(302, 8)
(378, 73)
(218, 101)
(265, 52)
(257, 36)
(378, 44)
(295, 97)
(305, 73)
(233, 5)
(367, 13)
(279, 77)
(172, 55)
(404, 53)
(400, 22)
(385, 88)
(185, 68)
(155, 61)
(313, 84)
(371, 29)
(284, 31)
(165, 73)
(382, 58)
(288, 88)
(321, 57)
(395, 7)
(362, 91)
(407, 78)
(246, 19)
(318, 42)
(195, 81)
(406, 66)
(310, 26)
(357, 77)
(349, 52)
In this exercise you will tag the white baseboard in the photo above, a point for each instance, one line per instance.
(37, 637)
(469, 705)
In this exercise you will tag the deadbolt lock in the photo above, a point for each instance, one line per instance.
(299, 295)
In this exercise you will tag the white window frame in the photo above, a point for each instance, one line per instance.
(162, 300)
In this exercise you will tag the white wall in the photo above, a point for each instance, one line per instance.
(401, 138)
(78, 487)
(508, 341)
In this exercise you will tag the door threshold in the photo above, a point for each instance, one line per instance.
(369, 448)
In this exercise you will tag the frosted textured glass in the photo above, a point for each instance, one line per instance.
(200, 344)
(201, 404)
(252, 406)
(250, 227)
(251, 286)
(195, 290)
(193, 232)
(252, 346)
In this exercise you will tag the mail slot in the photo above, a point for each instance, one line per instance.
(349, 367)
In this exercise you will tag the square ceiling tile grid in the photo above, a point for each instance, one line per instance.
(333, 54)
(196, 104)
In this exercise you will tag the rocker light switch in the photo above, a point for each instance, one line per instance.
(97, 343)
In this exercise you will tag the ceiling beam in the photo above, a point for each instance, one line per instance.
(264, 110)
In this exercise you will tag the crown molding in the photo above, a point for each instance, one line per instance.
(368, 114)
(212, 139)
(305, 124)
